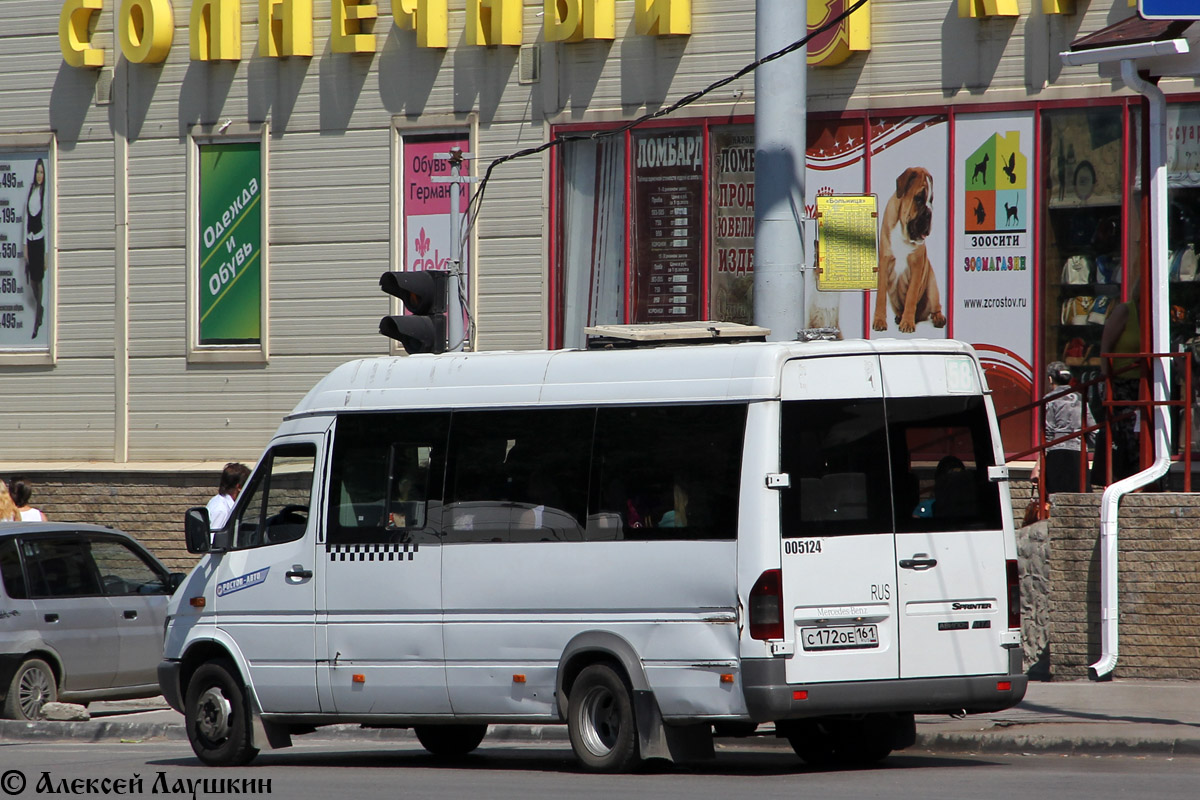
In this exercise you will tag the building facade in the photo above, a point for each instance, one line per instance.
(197, 197)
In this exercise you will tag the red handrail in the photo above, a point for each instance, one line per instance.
(1116, 410)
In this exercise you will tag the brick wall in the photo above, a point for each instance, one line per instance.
(148, 506)
(1159, 585)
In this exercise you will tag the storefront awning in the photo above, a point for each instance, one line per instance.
(1145, 40)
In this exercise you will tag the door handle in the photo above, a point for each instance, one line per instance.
(920, 561)
(298, 571)
(130, 614)
(51, 618)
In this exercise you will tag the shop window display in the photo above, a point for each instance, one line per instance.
(1183, 242)
(1085, 261)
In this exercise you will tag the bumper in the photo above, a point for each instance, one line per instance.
(770, 697)
(168, 681)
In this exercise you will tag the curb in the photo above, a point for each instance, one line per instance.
(989, 742)
(1056, 745)
(92, 731)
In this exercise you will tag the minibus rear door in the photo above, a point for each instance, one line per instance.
(836, 522)
(951, 568)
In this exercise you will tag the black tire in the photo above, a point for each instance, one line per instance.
(450, 741)
(31, 687)
(601, 722)
(815, 741)
(850, 742)
(217, 716)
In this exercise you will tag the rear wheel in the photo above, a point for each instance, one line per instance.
(450, 741)
(217, 715)
(850, 742)
(31, 687)
(600, 721)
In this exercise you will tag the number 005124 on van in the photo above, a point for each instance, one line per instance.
(646, 544)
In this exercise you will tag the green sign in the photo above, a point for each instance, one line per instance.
(230, 243)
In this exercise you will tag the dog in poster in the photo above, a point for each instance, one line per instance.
(906, 278)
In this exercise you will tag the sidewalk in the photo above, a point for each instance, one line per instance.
(1121, 716)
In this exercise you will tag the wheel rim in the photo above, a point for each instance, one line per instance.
(600, 721)
(212, 715)
(34, 691)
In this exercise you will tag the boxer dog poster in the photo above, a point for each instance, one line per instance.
(909, 176)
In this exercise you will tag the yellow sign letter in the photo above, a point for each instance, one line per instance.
(576, 20)
(285, 28)
(145, 29)
(663, 17)
(492, 22)
(215, 33)
(74, 34)
(988, 8)
(429, 18)
(347, 34)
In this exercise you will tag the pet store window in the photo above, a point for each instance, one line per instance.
(652, 225)
(1087, 169)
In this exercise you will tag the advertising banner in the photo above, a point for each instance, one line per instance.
(26, 250)
(909, 176)
(732, 193)
(668, 215)
(836, 166)
(230, 243)
(426, 209)
(427, 233)
(993, 284)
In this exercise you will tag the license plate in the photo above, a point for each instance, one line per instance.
(840, 637)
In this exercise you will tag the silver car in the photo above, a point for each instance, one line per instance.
(82, 611)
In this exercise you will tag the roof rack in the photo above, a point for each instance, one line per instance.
(654, 334)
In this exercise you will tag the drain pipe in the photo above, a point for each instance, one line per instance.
(1160, 343)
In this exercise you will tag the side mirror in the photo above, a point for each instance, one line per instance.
(174, 580)
(195, 530)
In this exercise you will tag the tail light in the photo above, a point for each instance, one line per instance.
(1014, 593)
(766, 606)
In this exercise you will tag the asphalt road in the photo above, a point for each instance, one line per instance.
(322, 770)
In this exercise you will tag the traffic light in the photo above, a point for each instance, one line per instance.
(423, 293)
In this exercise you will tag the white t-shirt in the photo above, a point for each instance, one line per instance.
(32, 515)
(218, 511)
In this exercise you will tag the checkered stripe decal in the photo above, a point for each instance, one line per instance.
(371, 552)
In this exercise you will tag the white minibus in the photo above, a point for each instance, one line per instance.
(645, 544)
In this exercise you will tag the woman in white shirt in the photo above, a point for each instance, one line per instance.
(21, 490)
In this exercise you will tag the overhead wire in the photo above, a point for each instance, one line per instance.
(477, 198)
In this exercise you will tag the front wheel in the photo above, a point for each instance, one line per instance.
(600, 721)
(450, 741)
(31, 688)
(217, 715)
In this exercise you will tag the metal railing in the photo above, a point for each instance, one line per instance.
(1114, 411)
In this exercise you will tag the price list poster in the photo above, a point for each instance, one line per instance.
(25, 251)
(668, 184)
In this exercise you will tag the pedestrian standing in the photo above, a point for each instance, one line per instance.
(1064, 416)
(21, 490)
(233, 477)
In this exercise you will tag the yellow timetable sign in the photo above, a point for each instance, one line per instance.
(847, 243)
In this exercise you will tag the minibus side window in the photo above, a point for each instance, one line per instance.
(946, 444)
(386, 475)
(667, 472)
(836, 455)
(278, 502)
(517, 475)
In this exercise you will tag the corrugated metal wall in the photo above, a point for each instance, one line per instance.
(331, 127)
